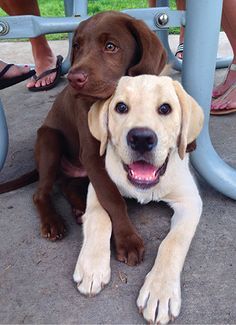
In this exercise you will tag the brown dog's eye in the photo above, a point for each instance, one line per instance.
(164, 109)
(111, 47)
(121, 108)
(75, 46)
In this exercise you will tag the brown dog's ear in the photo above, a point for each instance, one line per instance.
(73, 43)
(98, 122)
(191, 120)
(73, 49)
(152, 53)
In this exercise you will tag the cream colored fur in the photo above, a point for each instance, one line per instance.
(143, 95)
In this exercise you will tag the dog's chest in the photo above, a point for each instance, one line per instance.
(142, 195)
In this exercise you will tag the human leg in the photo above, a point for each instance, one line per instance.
(226, 91)
(14, 70)
(226, 103)
(152, 3)
(180, 4)
(43, 56)
(11, 74)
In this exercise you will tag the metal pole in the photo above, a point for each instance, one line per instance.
(3, 137)
(202, 29)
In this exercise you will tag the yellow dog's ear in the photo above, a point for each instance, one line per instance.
(98, 122)
(191, 121)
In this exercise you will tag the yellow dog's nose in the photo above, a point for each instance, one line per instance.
(141, 139)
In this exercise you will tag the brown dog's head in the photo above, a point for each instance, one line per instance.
(108, 46)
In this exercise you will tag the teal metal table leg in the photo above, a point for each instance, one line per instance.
(73, 8)
(3, 137)
(175, 62)
(202, 30)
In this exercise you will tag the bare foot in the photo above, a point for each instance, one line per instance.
(43, 64)
(226, 103)
(14, 70)
(230, 79)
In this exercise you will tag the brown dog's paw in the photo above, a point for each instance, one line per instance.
(53, 229)
(78, 214)
(130, 249)
(191, 146)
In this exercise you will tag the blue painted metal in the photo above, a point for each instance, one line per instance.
(80, 8)
(69, 11)
(68, 6)
(148, 15)
(198, 78)
(33, 26)
(3, 137)
(73, 9)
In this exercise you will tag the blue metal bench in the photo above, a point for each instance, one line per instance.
(202, 24)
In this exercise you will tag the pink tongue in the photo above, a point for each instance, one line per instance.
(142, 171)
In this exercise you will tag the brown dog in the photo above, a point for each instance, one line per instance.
(105, 47)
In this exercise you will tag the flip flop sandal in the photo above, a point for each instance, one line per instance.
(231, 67)
(224, 111)
(7, 82)
(57, 69)
(180, 49)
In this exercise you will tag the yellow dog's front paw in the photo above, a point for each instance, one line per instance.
(92, 273)
(159, 299)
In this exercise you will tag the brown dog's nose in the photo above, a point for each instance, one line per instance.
(77, 79)
(141, 139)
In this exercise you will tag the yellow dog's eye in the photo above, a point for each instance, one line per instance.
(121, 108)
(164, 109)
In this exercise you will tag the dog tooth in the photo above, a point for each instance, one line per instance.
(131, 172)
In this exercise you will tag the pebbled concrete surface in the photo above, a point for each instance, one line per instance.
(36, 283)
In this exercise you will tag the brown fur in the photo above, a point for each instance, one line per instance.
(93, 75)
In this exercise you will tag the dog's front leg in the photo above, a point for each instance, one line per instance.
(129, 245)
(92, 270)
(160, 296)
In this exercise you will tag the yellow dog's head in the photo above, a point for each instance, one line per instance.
(144, 121)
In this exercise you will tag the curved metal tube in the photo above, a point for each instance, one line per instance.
(198, 79)
(3, 137)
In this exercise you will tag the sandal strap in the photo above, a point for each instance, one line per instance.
(5, 69)
(47, 72)
(44, 74)
(228, 91)
(231, 67)
(180, 48)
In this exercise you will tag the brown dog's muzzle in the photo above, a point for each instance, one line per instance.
(77, 79)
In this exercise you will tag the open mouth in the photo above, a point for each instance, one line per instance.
(143, 174)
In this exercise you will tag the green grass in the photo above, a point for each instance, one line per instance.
(55, 8)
